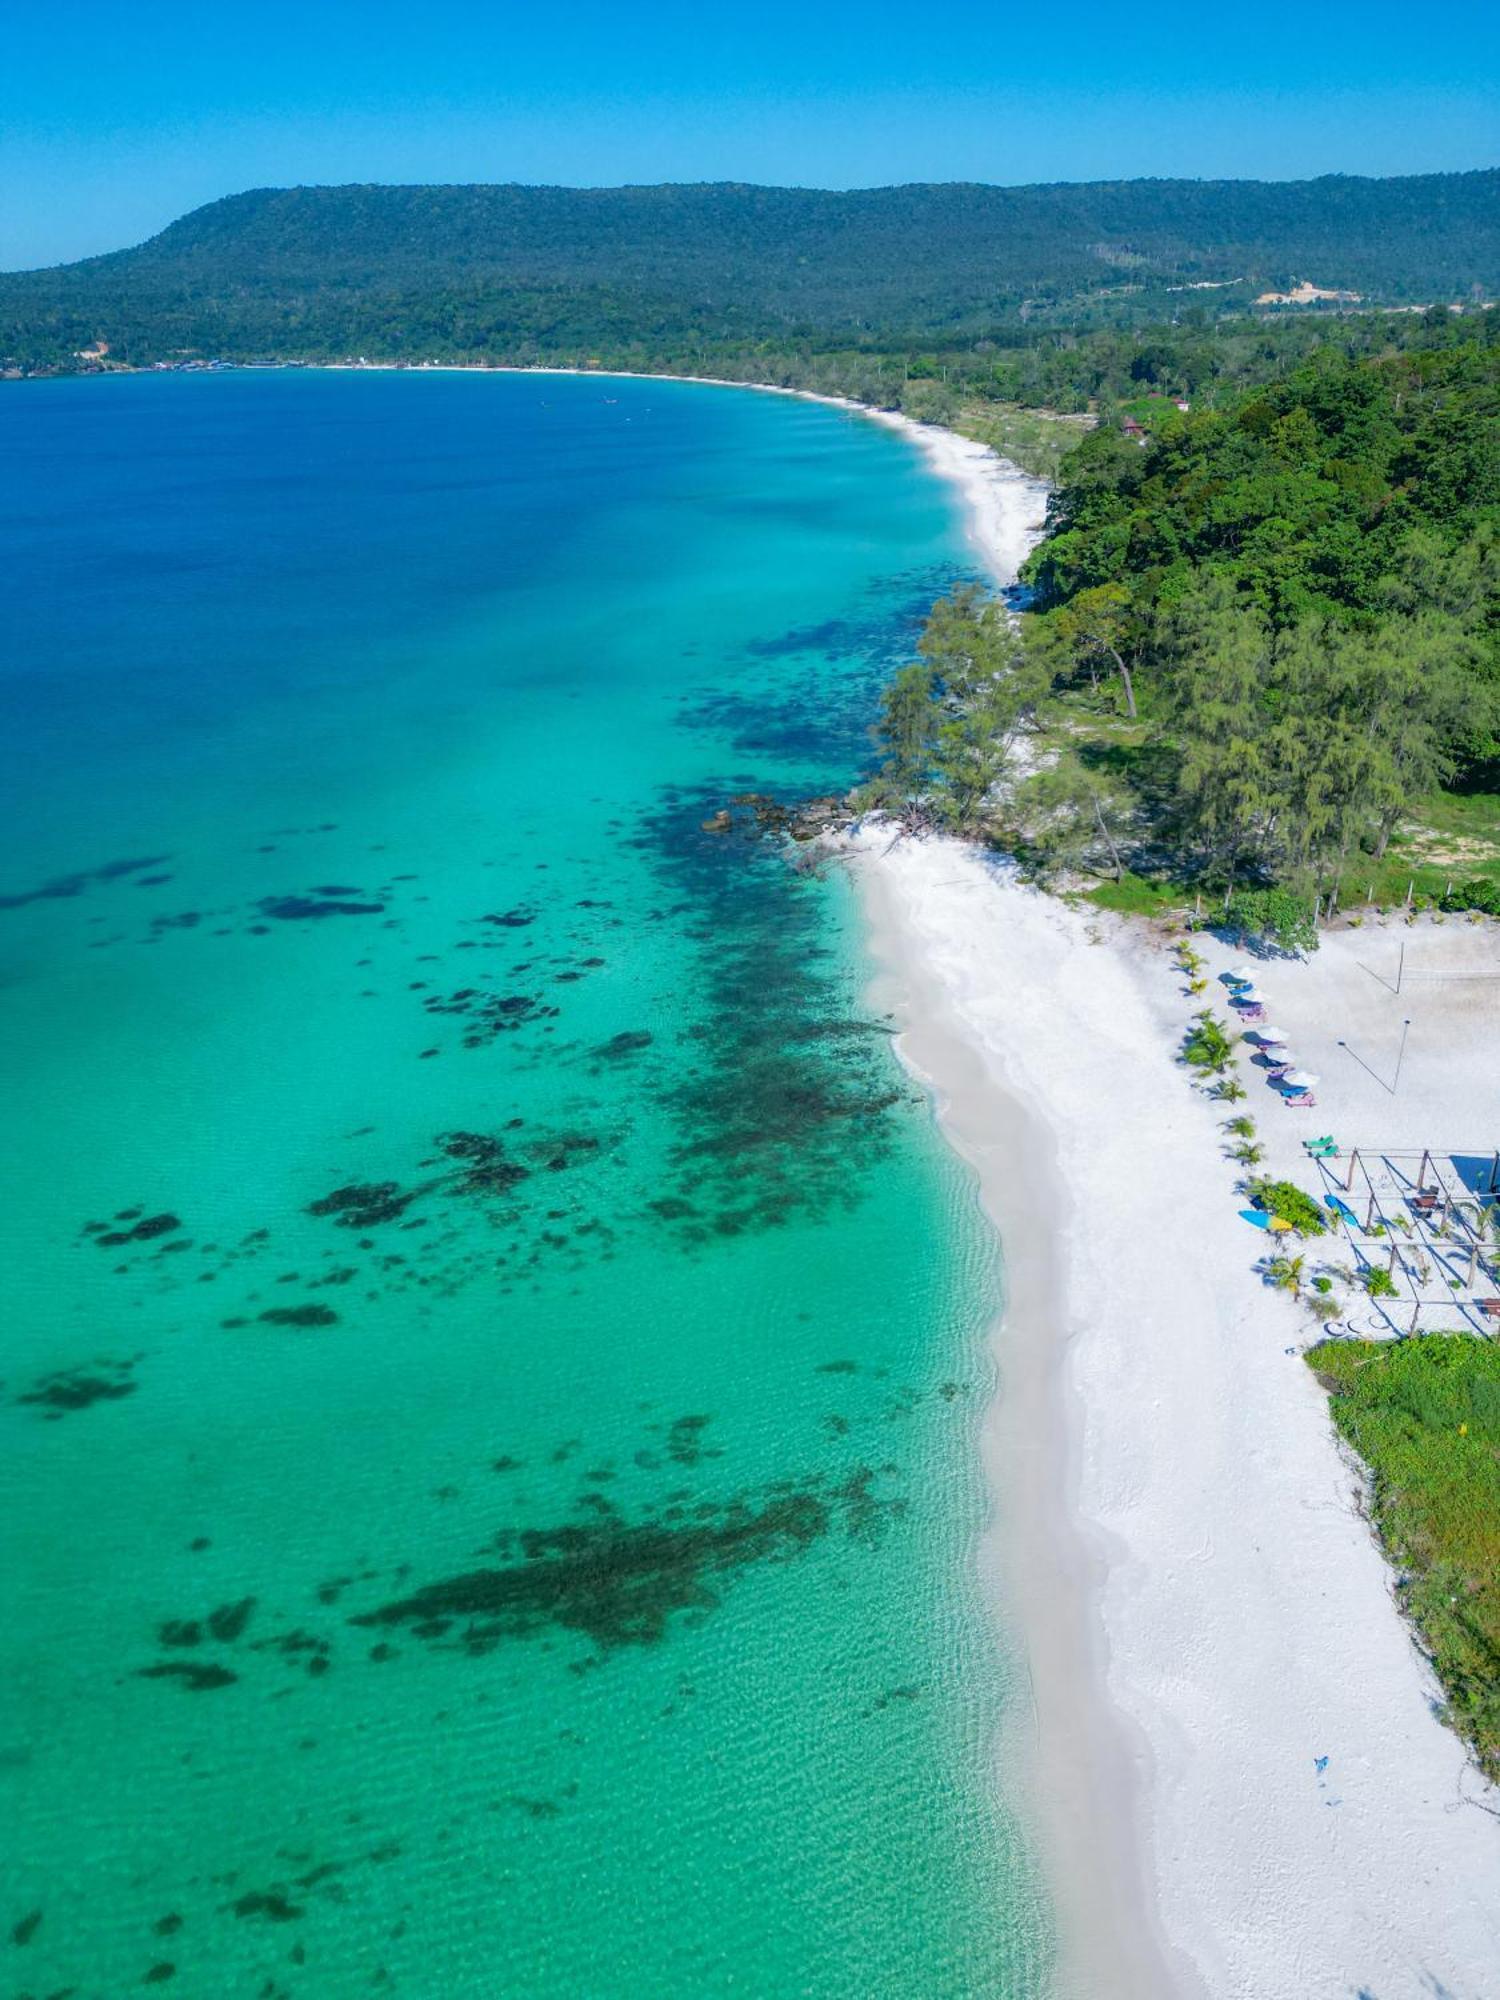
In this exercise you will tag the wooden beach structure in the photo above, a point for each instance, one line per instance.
(1429, 1214)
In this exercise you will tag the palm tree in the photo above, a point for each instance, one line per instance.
(1285, 1273)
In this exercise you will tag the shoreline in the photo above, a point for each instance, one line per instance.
(1081, 1761)
(1073, 1761)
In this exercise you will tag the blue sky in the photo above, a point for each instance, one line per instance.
(114, 119)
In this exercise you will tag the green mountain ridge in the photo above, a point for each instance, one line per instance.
(529, 272)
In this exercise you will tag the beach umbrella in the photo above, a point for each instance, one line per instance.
(1299, 1079)
(1247, 997)
(1267, 1036)
(1243, 973)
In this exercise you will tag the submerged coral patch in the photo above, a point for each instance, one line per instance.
(70, 1389)
(62, 886)
(144, 1231)
(363, 1204)
(489, 1015)
(617, 1585)
(188, 1674)
(486, 1168)
(304, 1315)
(629, 1043)
(618, 1582)
(784, 1099)
(299, 909)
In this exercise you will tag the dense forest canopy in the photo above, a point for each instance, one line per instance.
(520, 273)
(1258, 637)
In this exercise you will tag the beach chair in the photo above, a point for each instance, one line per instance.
(1489, 1307)
(1299, 1100)
(1251, 1010)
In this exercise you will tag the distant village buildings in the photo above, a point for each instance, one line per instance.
(1304, 294)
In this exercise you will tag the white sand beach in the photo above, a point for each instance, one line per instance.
(1242, 1784)
(1240, 1608)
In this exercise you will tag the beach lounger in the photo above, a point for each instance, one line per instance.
(1299, 1100)
(1489, 1307)
(1252, 1011)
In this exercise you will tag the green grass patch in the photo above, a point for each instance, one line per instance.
(1424, 1415)
(1152, 410)
(1036, 440)
(1451, 837)
(1137, 896)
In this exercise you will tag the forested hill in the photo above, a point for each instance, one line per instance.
(527, 272)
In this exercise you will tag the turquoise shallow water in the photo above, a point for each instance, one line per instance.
(493, 1346)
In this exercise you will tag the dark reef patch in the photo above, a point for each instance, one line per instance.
(618, 1585)
(628, 1043)
(364, 1204)
(489, 1015)
(484, 1173)
(299, 909)
(62, 886)
(486, 1169)
(98, 1381)
(229, 1620)
(618, 1582)
(818, 710)
(785, 1099)
(189, 1674)
(144, 1231)
(306, 1315)
(272, 1904)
